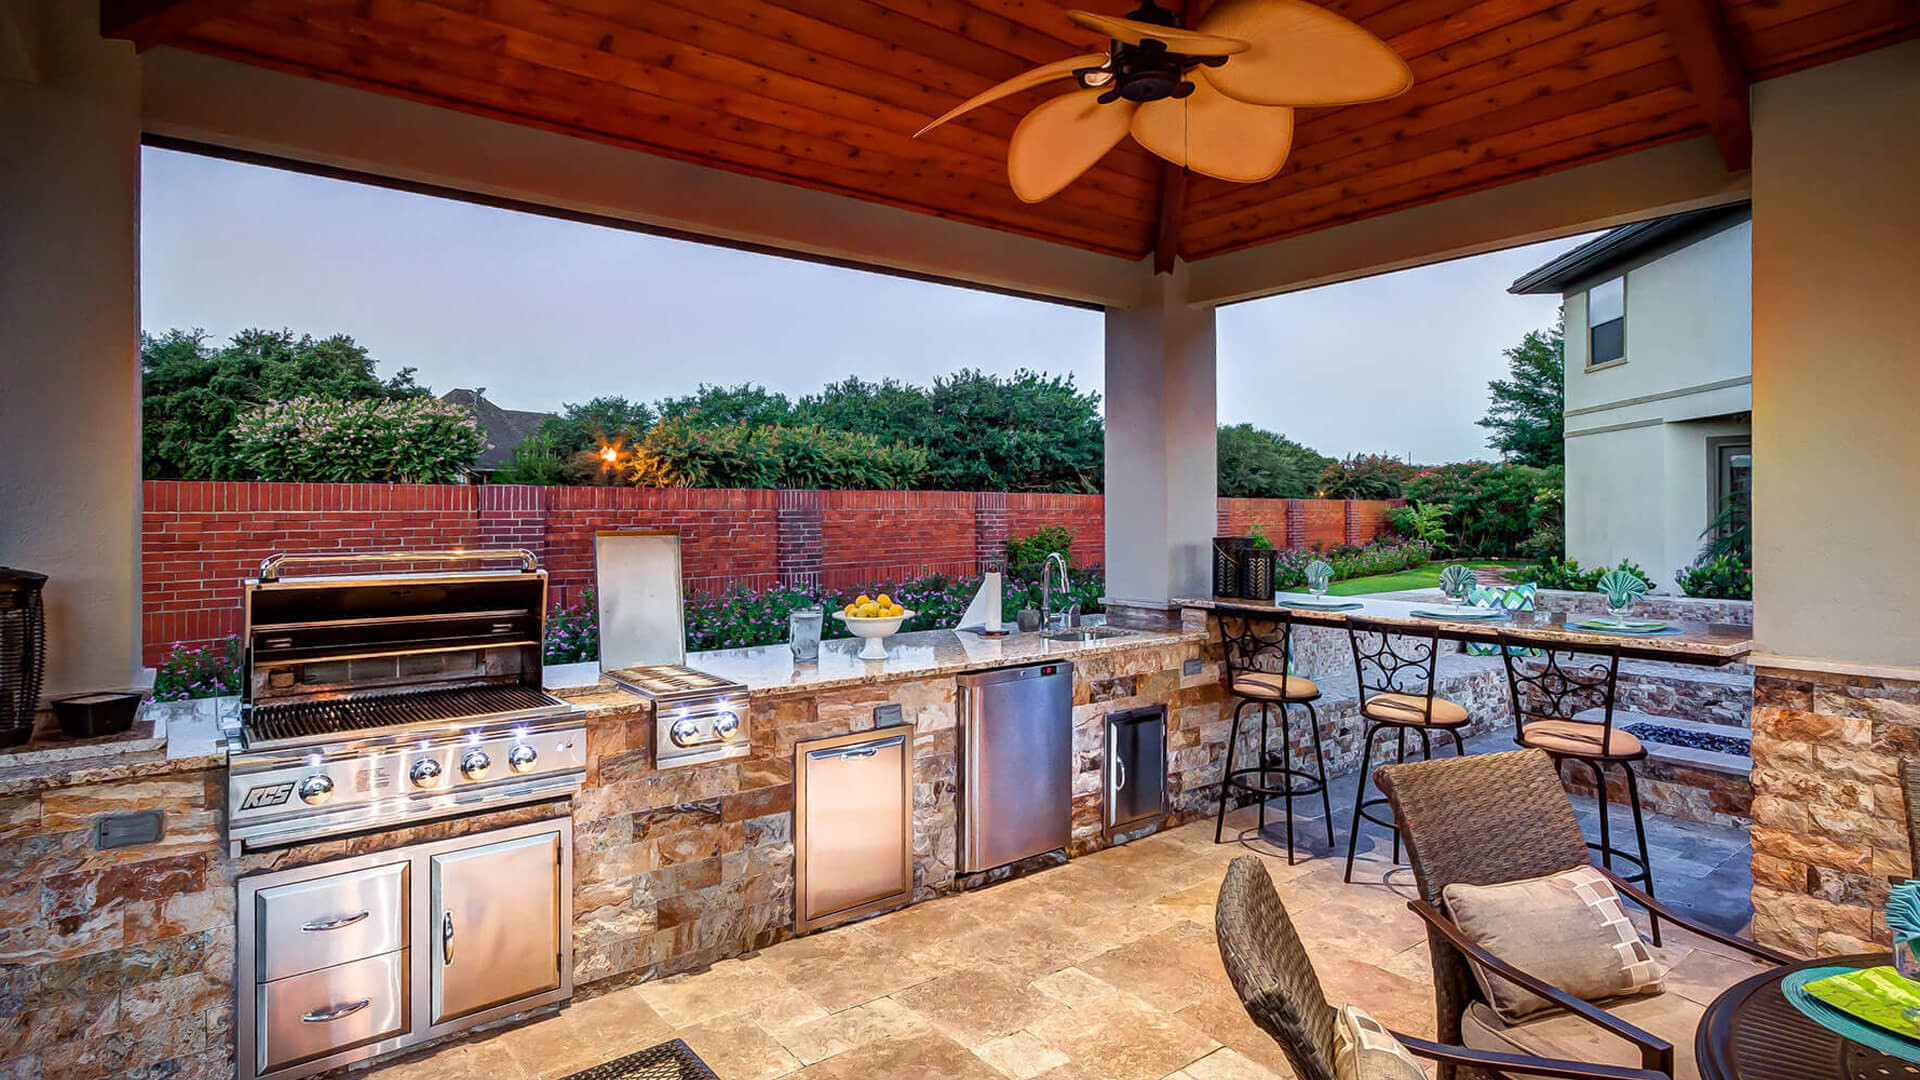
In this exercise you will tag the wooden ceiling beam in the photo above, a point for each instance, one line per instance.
(1706, 48)
(1173, 201)
(147, 23)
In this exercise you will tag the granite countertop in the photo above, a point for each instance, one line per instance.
(1711, 644)
(770, 670)
(166, 737)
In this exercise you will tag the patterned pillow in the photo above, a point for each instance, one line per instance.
(1505, 597)
(1368, 1051)
(1568, 929)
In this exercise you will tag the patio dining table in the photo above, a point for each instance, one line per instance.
(1705, 644)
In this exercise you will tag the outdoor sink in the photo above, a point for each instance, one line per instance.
(1085, 634)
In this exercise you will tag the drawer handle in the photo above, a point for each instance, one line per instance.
(446, 938)
(323, 1016)
(850, 755)
(318, 925)
(1119, 774)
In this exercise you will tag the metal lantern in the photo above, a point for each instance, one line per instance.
(23, 652)
(1229, 557)
(1257, 574)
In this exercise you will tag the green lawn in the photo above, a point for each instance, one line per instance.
(1422, 577)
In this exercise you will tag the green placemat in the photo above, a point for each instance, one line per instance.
(1663, 630)
(1487, 615)
(1318, 605)
(1828, 996)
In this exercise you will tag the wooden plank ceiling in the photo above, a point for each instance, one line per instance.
(826, 93)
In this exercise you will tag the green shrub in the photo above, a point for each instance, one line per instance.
(537, 460)
(409, 441)
(1380, 556)
(573, 631)
(679, 453)
(1423, 521)
(1568, 575)
(1259, 538)
(1027, 554)
(190, 671)
(1494, 509)
(1365, 476)
(1722, 577)
(1257, 464)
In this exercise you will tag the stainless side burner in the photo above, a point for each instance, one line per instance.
(697, 717)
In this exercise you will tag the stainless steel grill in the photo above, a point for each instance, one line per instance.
(336, 716)
(376, 699)
(698, 717)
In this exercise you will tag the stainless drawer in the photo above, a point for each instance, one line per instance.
(309, 925)
(334, 1009)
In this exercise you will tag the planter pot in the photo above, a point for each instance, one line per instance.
(1229, 562)
(1257, 574)
(23, 652)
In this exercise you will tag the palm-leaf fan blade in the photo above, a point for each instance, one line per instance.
(1215, 135)
(1061, 139)
(1176, 39)
(1300, 54)
(1059, 69)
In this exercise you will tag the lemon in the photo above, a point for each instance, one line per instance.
(852, 610)
(896, 611)
(862, 601)
(884, 600)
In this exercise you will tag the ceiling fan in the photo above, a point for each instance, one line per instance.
(1217, 99)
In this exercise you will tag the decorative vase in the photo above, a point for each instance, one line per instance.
(1256, 576)
(1229, 561)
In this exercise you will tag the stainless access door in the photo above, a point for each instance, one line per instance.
(853, 809)
(495, 933)
(1016, 761)
(1136, 767)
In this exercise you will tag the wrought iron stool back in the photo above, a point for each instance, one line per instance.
(1248, 639)
(1399, 667)
(1390, 659)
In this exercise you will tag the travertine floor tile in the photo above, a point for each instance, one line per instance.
(1227, 1063)
(738, 1049)
(1022, 1055)
(729, 986)
(586, 1034)
(1121, 1039)
(845, 967)
(927, 1056)
(837, 1033)
(977, 1006)
(1168, 970)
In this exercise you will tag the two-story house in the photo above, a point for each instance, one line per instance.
(1659, 395)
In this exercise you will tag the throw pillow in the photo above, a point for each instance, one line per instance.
(1368, 1051)
(1567, 929)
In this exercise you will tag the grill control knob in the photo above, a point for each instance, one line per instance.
(425, 772)
(684, 732)
(475, 764)
(316, 789)
(522, 757)
(725, 724)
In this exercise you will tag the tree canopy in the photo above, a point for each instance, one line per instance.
(192, 392)
(1255, 463)
(1526, 413)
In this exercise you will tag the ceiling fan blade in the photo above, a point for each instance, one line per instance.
(1059, 69)
(1134, 31)
(1300, 54)
(1215, 135)
(1061, 139)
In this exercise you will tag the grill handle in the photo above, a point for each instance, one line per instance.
(271, 565)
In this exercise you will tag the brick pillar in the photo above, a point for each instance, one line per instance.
(989, 528)
(1222, 517)
(801, 548)
(1296, 524)
(1354, 525)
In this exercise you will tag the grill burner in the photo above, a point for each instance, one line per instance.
(304, 719)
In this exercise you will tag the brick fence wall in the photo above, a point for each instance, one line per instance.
(200, 540)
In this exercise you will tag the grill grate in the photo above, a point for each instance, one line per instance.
(303, 719)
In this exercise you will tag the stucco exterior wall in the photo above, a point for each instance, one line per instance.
(1835, 383)
(69, 321)
(1641, 430)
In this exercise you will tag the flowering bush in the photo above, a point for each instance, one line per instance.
(1381, 556)
(679, 453)
(1567, 574)
(411, 441)
(573, 631)
(190, 671)
(1724, 577)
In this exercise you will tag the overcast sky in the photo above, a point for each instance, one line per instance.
(542, 312)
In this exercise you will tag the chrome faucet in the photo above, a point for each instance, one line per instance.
(1068, 617)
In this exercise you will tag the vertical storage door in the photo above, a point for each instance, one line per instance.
(496, 924)
(1136, 767)
(854, 807)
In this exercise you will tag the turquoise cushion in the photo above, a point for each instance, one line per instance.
(1506, 597)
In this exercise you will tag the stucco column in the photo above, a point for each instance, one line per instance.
(69, 333)
(1836, 449)
(1161, 480)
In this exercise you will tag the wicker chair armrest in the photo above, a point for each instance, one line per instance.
(1496, 1061)
(1655, 1053)
(1660, 910)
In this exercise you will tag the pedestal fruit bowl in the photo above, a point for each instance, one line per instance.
(873, 619)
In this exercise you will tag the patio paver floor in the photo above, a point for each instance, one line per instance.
(1103, 968)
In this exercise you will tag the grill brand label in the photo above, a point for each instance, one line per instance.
(266, 795)
(372, 779)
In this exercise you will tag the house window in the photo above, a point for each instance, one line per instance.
(1733, 487)
(1607, 322)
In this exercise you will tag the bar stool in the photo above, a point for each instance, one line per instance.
(1395, 669)
(1550, 696)
(1275, 774)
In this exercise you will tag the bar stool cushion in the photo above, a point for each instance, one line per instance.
(1267, 686)
(1410, 710)
(1579, 738)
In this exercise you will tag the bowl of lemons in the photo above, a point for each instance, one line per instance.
(873, 618)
